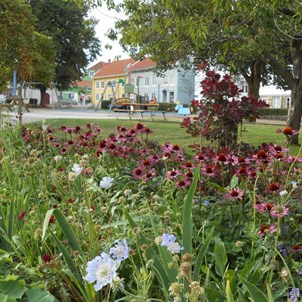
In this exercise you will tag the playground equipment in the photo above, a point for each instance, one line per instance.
(110, 85)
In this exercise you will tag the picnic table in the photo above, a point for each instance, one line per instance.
(132, 108)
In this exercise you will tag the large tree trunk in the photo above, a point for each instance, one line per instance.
(42, 89)
(253, 79)
(295, 111)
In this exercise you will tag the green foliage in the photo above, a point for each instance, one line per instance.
(73, 36)
(272, 111)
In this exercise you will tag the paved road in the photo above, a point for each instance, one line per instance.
(39, 114)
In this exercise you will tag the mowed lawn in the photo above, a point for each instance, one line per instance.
(171, 131)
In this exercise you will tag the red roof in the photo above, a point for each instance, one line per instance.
(114, 68)
(97, 66)
(145, 63)
(84, 83)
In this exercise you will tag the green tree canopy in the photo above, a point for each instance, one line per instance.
(16, 30)
(73, 36)
(250, 37)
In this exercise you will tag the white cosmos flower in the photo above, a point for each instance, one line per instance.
(106, 182)
(101, 269)
(77, 169)
(120, 251)
(170, 242)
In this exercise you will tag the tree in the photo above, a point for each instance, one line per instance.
(16, 30)
(234, 33)
(73, 36)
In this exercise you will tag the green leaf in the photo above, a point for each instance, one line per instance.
(150, 253)
(77, 276)
(229, 294)
(13, 289)
(256, 294)
(202, 252)
(187, 232)
(220, 257)
(269, 293)
(5, 298)
(38, 295)
(65, 227)
(165, 255)
(234, 182)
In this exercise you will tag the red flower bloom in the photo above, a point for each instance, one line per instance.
(274, 187)
(261, 154)
(22, 214)
(297, 248)
(46, 258)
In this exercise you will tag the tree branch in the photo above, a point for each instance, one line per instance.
(280, 70)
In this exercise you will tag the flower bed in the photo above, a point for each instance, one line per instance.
(88, 218)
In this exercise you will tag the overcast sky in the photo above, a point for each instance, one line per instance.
(106, 21)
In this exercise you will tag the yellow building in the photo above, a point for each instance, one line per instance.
(113, 73)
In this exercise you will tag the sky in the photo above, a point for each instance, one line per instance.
(106, 20)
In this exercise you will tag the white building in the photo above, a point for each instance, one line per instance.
(175, 85)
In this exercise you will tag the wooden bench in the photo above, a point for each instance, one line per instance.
(132, 108)
(130, 112)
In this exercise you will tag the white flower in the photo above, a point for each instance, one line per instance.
(283, 192)
(294, 184)
(106, 182)
(170, 242)
(77, 169)
(101, 269)
(120, 251)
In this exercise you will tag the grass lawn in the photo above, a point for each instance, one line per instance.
(170, 131)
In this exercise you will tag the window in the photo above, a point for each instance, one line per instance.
(114, 83)
(123, 95)
(146, 81)
(109, 96)
(171, 96)
(97, 84)
(91, 73)
(102, 84)
(154, 80)
(244, 88)
(276, 102)
(132, 81)
(153, 96)
(288, 101)
(172, 78)
(165, 79)
(97, 96)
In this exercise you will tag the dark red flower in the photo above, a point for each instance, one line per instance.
(273, 187)
(22, 214)
(261, 154)
(297, 248)
(222, 157)
(46, 258)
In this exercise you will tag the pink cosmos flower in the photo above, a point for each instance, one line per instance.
(279, 211)
(235, 194)
(266, 229)
(173, 174)
(288, 131)
(138, 173)
(183, 183)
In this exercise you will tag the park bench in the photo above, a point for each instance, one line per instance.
(139, 108)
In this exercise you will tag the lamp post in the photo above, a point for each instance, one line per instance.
(14, 82)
